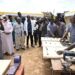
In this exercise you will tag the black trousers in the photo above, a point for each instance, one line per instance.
(39, 37)
(1, 54)
(31, 38)
(35, 36)
(13, 35)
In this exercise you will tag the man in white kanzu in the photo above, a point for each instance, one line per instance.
(19, 35)
(7, 42)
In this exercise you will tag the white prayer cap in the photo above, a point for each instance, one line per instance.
(3, 16)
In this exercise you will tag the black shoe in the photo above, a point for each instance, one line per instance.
(23, 48)
(7, 54)
(32, 46)
(17, 49)
(27, 46)
(39, 45)
(13, 54)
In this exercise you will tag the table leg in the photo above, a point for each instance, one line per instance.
(52, 72)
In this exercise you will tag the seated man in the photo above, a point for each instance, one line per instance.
(70, 28)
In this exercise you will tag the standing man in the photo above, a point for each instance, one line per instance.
(7, 41)
(29, 30)
(13, 25)
(60, 28)
(35, 30)
(51, 28)
(44, 28)
(19, 35)
(40, 25)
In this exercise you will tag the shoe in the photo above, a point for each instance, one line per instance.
(17, 49)
(23, 48)
(13, 54)
(7, 54)
(32, 46)
(27, 46)
(39, 45)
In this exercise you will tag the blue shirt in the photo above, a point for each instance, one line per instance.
(52, 28)
(71, 28)
(29, 26)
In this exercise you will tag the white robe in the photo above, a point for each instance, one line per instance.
(19, 36)
(7, 41)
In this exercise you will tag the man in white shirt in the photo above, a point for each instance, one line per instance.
(35, 31)
(29, 28)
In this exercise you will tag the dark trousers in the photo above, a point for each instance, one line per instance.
(13, 35)
(1, 54)
(31, 38)
(35, 37)
(39, 37)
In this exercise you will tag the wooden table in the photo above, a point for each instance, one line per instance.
(4, 64)
(57, 66)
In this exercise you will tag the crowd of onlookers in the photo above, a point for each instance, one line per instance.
(14, 30)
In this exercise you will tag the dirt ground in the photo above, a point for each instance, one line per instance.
(33, 61)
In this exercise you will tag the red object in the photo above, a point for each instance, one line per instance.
(20, 71)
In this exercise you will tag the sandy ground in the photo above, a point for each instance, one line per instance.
(33, 61)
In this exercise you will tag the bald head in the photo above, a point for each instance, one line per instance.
(18, 20)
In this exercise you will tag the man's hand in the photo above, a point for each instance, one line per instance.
(6, 33)
(59, 52)
(62, 40)
(53, 36)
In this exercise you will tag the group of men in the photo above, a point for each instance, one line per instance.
(13, 31)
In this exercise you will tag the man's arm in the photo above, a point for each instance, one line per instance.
(65, 34)
(69, 48)
(51, 33)
(67, 29)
